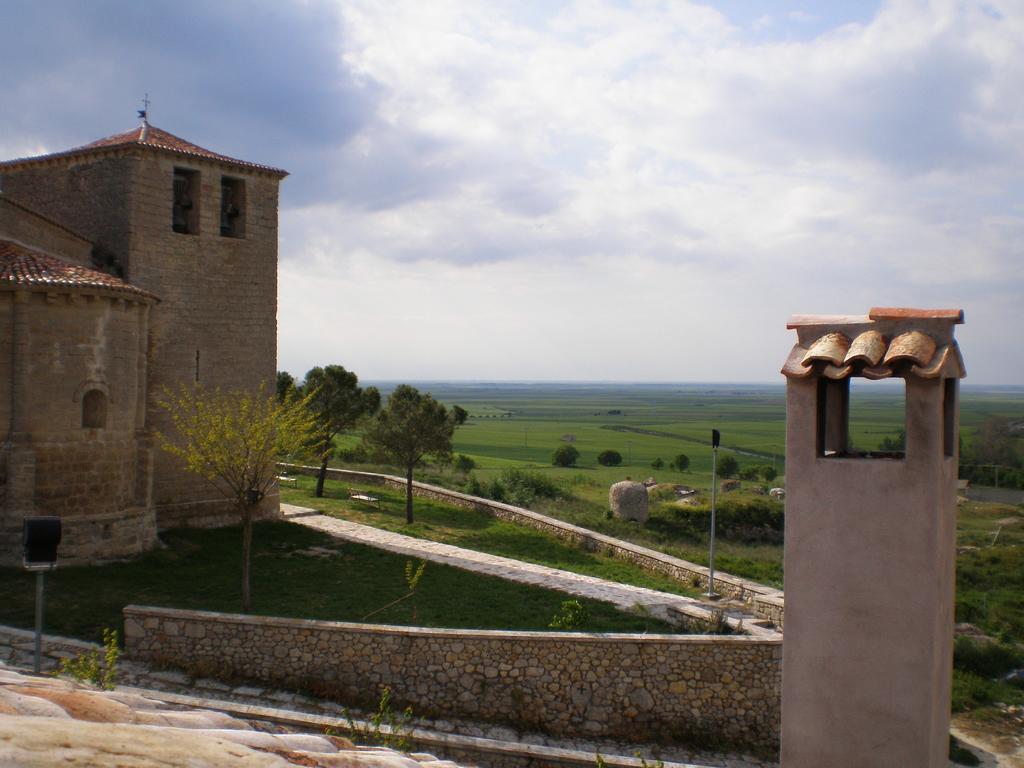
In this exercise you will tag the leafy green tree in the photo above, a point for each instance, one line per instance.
(657, 463)
(769, 474)
(459, 415)
(750, 473)
(728, 466)
(285, 385)
(411, 426)
(338, 404)
(464, 463)
(609, 458)
(898, 443)
(565, 456)
(680, 463)
(234, 439)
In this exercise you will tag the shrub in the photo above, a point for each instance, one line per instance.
(572, 615)
(769, 474)
(680, 463)
(657, 463)
(464, 463)
(515, 486)
(985, 659)
(537, 484)
(89, 667)
(750, 473)
(758, 520)
(565, 456)
(609, 458)
(356, 455)
(662, 492)
(728, 466)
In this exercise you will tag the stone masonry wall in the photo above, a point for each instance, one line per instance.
(216, 323)
(568, 684)
(29, 228)
(95, 479)
(763, 601)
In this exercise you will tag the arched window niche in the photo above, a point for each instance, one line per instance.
(94, 410)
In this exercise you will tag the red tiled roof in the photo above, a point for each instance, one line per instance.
(22, 266)
(148, 136)
(883, 344)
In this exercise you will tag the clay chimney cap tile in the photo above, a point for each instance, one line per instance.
(909, 313)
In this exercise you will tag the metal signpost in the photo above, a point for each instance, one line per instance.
(715, 439)
(40, 537)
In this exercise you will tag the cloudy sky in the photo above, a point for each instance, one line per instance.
(532, 189)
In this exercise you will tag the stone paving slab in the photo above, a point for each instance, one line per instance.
(663, 605)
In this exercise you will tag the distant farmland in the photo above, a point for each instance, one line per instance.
(521, 424)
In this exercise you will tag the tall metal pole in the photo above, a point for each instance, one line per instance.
(36, 664)
(714, 504)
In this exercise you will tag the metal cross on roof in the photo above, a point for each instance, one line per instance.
(144, 112)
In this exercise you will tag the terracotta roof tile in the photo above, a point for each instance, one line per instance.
(25, 267)
(148, 136)
(885, 344)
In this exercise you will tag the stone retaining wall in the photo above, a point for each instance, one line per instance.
(668, 687)
(765, 602)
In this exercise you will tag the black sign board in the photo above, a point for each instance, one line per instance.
(716, 437)
(40, 537)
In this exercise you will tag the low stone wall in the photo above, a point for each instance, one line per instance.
(668, 687)
(750, 592)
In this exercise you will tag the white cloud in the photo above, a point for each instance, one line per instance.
(609, 178)
(530, 190)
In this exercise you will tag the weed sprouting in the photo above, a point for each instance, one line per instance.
(92, 666)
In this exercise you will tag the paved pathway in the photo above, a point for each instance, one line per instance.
(663, 605)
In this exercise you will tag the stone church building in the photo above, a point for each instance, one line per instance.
(137, 262)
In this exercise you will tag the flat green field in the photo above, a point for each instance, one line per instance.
(521, 424)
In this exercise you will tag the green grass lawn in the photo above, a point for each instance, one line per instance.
(472, 530)
(586, 507)
(297, 572)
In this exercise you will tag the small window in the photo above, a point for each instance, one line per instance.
(94, 410)
(185, 208)
(950, 433)
(859, 418)
(232, 207)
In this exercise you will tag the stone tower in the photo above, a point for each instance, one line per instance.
(870, 546)
(195, 230)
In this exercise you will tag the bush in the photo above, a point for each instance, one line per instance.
(657, 464)
(572, 615)
(565, 456)
(523, 487)
(356, 455)
(680, 463)
(758, 520)
(985, 659)
(515, 486)
(769, 474)
(750, 473)
(609, 458)
(728, 466)
(464, 463)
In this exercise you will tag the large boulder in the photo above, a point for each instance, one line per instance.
(628, 501)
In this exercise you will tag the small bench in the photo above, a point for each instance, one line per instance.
(355, 496)
(287, 480)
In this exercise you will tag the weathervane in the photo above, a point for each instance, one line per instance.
(144, 112)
